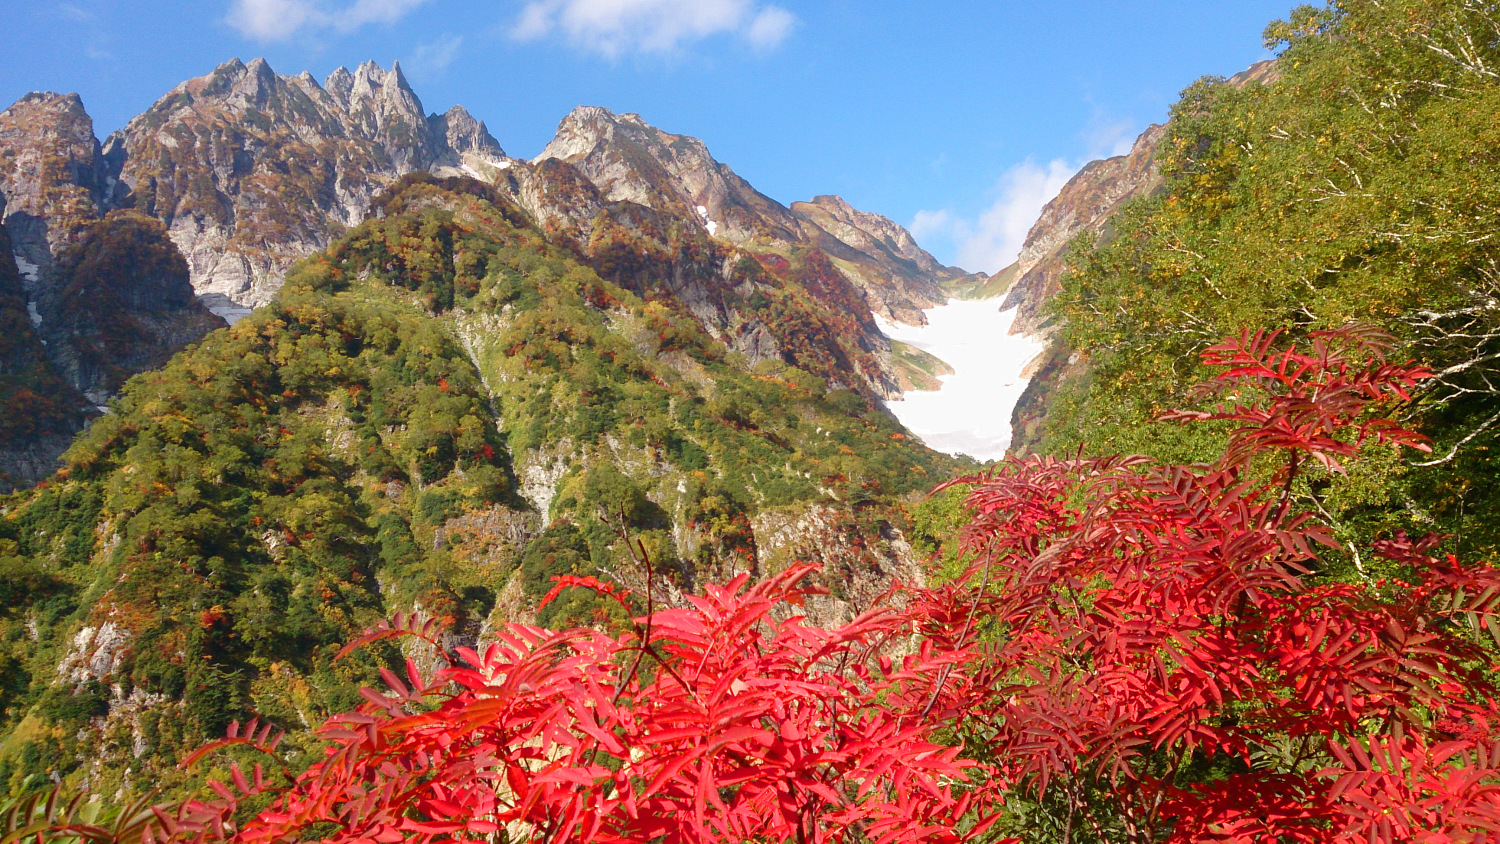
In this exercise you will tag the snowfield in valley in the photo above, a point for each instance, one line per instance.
(970, 414)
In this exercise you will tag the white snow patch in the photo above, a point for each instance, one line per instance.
(472, 172)
(713, 227)
(27, 268)
(36, 317)
(970, 413)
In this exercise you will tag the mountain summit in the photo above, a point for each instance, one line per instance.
(629, 160)
(251, 170)
(247, 171)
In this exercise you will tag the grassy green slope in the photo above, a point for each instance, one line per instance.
(439, 413)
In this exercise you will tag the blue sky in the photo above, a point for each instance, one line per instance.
(958, 118)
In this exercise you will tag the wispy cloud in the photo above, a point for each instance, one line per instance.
(770, 27)
(991, 241)
(89, 27)
(433, 56)
(278, 20)
(75, 13)
(616, 27)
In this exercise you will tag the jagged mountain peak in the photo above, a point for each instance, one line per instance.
(53, 174)
(250, 169)
(50, 99)
(370, 84)
(873, 234)
(371, 80)
(579, 132)
(339, 83)
(233, 79)
(465, 133)
(630, 160)
(587, 127)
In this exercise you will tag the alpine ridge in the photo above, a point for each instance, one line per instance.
(250, 170)
(246, 171)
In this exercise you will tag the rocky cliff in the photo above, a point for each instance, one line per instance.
(629, 160)
(54, 176)
(87, 297)
(250, 170)
(1085, 204)
(39, 411)
(121, 304)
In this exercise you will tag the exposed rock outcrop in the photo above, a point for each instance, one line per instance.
(1085, 204)
(250, 170)
(122, 304)
(54, 176)
(629, 160)
(898, 276)
(39, 411)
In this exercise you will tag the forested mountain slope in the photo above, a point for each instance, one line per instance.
(248, 171)
(1357, 187)
(438, 413)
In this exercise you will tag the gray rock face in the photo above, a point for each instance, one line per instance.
(870, 233)
(251, 170)
(628, 160)
(462, 133)
(120, 303)
(39, 411)
(54, 176)
(1085, 203)
(898, 277)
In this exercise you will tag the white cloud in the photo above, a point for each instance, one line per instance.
(992, 241)
(615, 27)
(75, 13)
(930, 224)
(770, 27)
(997, 237)
(1109, 139)
(278, 20)
(432, 56)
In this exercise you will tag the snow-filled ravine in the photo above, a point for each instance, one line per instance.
(970, 414)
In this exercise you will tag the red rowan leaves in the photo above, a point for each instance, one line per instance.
(747, 732)
(1155, 634)
(1151, 616)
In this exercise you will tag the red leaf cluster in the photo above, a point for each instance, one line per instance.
(1154, 637)
(738, 726)
(1156, 648)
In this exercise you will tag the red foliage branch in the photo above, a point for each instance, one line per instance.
(1159, 645)
(1152, 623)
(749, 731)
